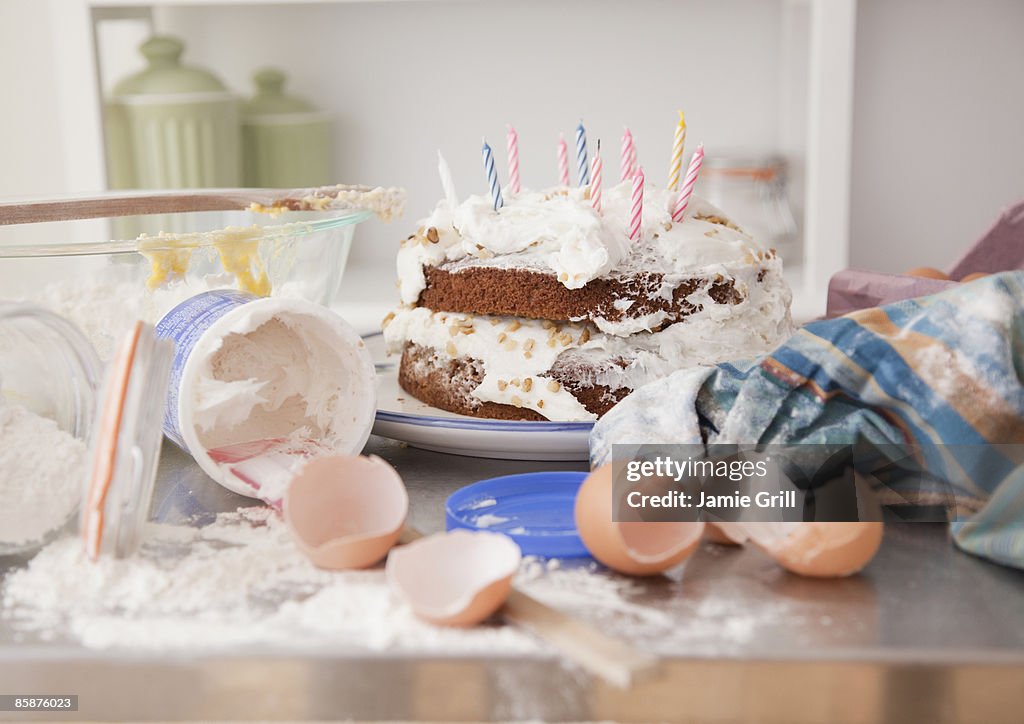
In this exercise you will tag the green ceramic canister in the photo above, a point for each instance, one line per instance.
(178, 123)
(286, 142)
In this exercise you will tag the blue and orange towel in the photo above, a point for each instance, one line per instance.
(942, 373)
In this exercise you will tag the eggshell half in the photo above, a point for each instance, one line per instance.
(974, 275)
(927, 272)
(721, 534)
(346, 511)
(634, 548)
(821, 550)
(457, 578)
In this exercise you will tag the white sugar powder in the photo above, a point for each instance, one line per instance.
(239, 581)
(40, 469)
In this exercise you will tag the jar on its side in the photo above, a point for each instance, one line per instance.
(47, 367)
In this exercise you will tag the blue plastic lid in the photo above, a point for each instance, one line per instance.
(533, 509)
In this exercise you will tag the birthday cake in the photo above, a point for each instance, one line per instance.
(550, 309)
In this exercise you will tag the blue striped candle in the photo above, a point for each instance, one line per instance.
(581, 155)
(492, 177)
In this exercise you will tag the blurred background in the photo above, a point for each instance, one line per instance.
(889, 129)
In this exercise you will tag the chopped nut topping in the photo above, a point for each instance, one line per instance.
(540, 404)
(554, 385)
(502, 385)
(528, 355)
(517, 401)
(563, 277)
(511, 345)
(552, 342)
(387, 320)
(527, 384)
(451, 350)
(452, 331)
(513, 325)
(565, 338)
(528, 344)
(432, 235)
(494, 322)
(515, 382)
(548, 324)
(584, 337)
(502, 337)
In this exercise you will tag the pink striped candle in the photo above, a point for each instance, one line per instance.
(563, 161)
(513, 160)
(636, 216)
(627, 159)
(686, 190)
(596, 179)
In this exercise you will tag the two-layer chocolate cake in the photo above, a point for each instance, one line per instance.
(545, 309)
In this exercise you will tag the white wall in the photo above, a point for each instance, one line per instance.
(30, 148)
(938, 127)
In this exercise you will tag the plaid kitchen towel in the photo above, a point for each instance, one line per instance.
(941, 373)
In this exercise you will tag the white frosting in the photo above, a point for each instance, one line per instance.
(558, 231)
(514, 350)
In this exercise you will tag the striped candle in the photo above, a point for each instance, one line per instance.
(563, 161)
(678, 143)
(513, 160)
(492, 177)
(581, 155)
(637, 213)
(595, 181)
(627, 159)
(686, 191)
(446, 181)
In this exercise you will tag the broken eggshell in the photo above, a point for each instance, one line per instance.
(636, 548)
(816, 549)
(346, 511)
(454, 579)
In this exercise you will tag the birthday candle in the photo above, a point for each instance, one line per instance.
(446, 181)
(581, 155)
(686, 191)
(492, 177)
(627, 159)
(563, 161)
(513, 160)
(595, 182)
(677, 153)
(636, 216)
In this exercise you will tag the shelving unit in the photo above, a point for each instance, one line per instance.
(821, 119)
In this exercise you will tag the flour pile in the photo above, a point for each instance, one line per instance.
(40, 469)
(239, 581)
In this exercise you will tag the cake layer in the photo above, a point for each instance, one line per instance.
(638, 302)
(448, 383)
(512, 360)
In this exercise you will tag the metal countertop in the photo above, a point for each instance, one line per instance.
(924, 633)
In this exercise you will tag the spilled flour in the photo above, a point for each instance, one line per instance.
(241, 582)
(238, 581)
(40, 476)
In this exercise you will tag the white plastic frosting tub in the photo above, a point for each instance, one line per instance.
(252, 374)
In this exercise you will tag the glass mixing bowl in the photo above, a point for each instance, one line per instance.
(104, 274)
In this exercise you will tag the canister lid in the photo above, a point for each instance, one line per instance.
(536, 510)
(126, 443)
(165, 73)
(270, 98)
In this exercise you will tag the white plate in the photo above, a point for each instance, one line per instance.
(400, 416)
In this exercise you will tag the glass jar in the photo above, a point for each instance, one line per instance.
(754, 190)
(49, 368)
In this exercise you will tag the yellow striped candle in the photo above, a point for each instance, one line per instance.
(678, 143)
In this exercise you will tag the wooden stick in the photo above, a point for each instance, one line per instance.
(385, 202)
(613, 660)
